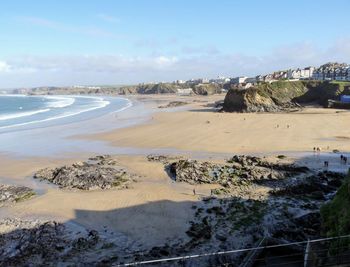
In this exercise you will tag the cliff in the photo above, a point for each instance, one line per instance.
(283, 95)
(156, 88)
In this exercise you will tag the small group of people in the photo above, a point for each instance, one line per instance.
(317, 149)
(277, 126)
(343, 159)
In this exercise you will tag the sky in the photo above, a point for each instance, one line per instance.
(106, 42)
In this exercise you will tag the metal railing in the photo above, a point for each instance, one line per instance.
(331, 251)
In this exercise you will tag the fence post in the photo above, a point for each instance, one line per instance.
(307, 254)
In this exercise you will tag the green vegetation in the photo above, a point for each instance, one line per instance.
(336, 214)
(25, 196)
(341, 84)
(336, 218)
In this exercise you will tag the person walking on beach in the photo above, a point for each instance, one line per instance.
(194, 191)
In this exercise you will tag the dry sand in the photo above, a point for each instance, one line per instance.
(202, 130)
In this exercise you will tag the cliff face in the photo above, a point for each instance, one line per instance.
(283, 95)
(264, 97)
(169, 88)
(157, 88)
(249, 100)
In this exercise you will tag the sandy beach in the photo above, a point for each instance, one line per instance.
(156, 206)
(200, 129)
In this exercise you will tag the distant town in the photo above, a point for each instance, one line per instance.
(327, 72)
(331, 71)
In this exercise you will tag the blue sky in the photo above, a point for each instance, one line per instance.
(117, 42)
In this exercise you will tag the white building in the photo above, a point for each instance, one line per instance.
(251, 80)
(306, 73)
(220, 79)
(184, 92)
(239, 80)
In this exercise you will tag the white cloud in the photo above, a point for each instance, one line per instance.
(121, 69)
(4, 67)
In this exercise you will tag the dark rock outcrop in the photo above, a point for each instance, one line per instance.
(35, 243)
(313, 187)
(174, 104)
(101, 172)
(240, 170)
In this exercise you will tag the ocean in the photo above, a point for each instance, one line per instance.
(18, 112)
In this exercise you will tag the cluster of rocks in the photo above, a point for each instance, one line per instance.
(101, 172)
(174, 104)
(316, 187)
(14, 193)
(238, 171)
(162, 158)
(36, 243)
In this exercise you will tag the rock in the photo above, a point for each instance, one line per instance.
(13, 193)
(162, 158)
(241, 171)
(315, 187)
(100, 172)
(199, 231)
(103, 160)
(174, 104)
(47, 243)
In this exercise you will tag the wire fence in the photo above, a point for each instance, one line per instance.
(332, 251)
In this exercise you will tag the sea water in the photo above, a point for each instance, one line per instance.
(22, 112)
(46, 125)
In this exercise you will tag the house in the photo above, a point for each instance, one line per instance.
(306, 73)
(220, 80)
(251, 80)
(184, 92)
(239, 80)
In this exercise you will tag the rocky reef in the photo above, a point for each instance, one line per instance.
(13, 193)
(48, 243)
(255, 198)
(101, 172)
(284, 207)
(238, 171)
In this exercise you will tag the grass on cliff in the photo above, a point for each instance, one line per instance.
(336, 213)
(336, 218)
(341, 84)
